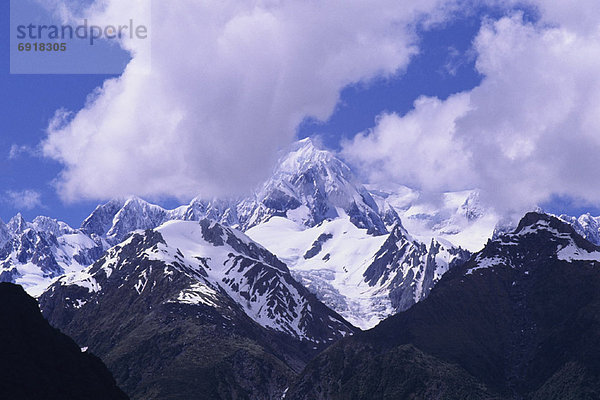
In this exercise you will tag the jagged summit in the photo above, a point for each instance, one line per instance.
(223, 211)
(100, 220)
(17, 224)
(312, 185)
(309, 185)
(543, 221)
(409, 269)
(303, 155)
(33, 254)
(118, 217)
(47, 224)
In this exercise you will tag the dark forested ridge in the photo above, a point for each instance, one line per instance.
(39, 362)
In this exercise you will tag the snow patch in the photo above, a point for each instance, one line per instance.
(198, 293)
(571, 252)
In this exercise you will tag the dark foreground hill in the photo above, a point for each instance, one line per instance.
(520, 320)
(39, 362)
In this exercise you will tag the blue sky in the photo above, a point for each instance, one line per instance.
(444, 66)
(26, 106)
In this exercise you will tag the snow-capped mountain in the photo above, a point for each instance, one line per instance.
(538, 237)
(313, 213)
(220, 210)
(365, 253)
(218, 262)
(586, 225)
(117, 218)
(311, 186)
(33, 254)
(348, 258)
(409, 269)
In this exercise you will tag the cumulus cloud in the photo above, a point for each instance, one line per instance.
(529, 131)
(228, 84)
(419, 149)
(24, 199)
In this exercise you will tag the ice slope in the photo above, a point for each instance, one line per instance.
(330, 259)
(363, 277)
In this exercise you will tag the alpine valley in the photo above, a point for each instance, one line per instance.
(319, 286)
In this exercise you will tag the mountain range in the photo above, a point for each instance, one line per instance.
(340, 238)
(234, 298)
(337, 234)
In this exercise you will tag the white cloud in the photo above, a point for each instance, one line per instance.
(24, 199)
(17, 151)
(581, 16)
(530, 130)
(228, 85)
(418, 149)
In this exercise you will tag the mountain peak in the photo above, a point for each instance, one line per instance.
(42, 223)
(17, 224)
(317, 185)
(586, 225)
(307, 142)
(304, 154)
(118, 217)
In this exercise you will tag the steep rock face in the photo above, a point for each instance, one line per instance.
(17, 224)
(50, 225)
(39, 362)
(410, 268)
(521, 317)
(100, 221)
(312, 186)
(222, 315)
